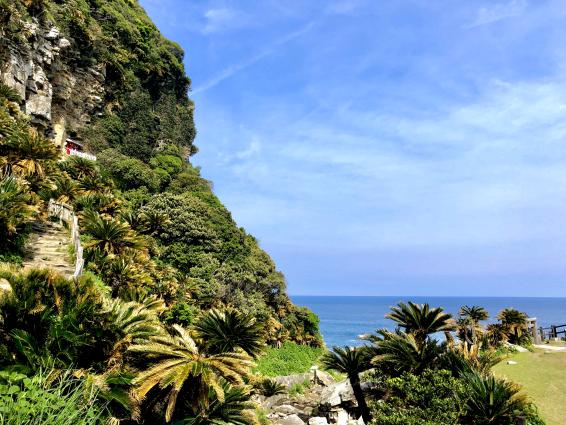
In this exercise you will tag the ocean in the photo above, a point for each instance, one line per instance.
(343, 319)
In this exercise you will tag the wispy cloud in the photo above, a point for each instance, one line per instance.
(222, 19)
(498, 11)
(237, 67)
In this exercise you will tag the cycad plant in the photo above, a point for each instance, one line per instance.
(236, 408)
(400, 352)
(27, 153)
(352, 362)
(109, 236)
(222, 331)
(178, 366)
(469, 328)
(15, 208)
(489, 400)
(270, 387)
(515, 322)
(420, 320)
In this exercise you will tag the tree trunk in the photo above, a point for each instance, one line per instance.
(359, 394)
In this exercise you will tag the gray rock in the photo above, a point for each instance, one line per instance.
(323, 378)
(290, 420)
(64, 43)
(40, 94)
(290, 380)
(275, 400)
(318, 420)
(52, 34)
(286, 409)
(338, 394)
(339, 417)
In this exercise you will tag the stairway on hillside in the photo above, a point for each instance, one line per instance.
(48, 247)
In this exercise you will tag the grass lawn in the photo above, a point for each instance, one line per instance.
(544, 379)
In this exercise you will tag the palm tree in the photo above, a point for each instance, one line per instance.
(155, 220)
(237, 408)
(401, 352)
(65, 189)
(496, 334)
(351, 361)
(490, 400)
(514, 321)
(270, 387)
(179, 366)
(109, 236)
(27, 153)
(14, 208)
(420, 320)
(475, 313)
(79, 168)
(229, 330)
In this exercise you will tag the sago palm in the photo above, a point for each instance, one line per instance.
(178, 365)
(490, 400)
(474, 312)
(236, 409)
(65, 190)
(79, 168)
(110, 236)
(229, 330)
(420, 320)
(14, 207)
(514, 321)
(401, 352)
(352, 362)
(27, 153)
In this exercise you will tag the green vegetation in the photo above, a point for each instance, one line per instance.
(299, 389)
(291, 358)
(543, 375)
(47, 398)
(418, 380)
(176, 301)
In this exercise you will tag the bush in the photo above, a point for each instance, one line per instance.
(428, 399)
(35, 400)
(291, 358)
(129, 173)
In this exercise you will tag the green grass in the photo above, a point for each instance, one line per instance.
(291, 358)
(299, 389)
(543, 377)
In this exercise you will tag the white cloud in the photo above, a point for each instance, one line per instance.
(237, 67)
(497, 12)
(222, 20)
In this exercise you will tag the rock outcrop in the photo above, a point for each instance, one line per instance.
(325, 402)
(57, 90)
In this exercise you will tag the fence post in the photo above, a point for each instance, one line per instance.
(65, 213)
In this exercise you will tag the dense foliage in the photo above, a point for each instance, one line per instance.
(176, 301)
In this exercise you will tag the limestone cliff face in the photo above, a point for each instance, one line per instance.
(59, 93)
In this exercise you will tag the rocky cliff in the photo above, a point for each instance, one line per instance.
(59, 94)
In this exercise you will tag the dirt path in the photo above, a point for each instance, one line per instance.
(48, 247)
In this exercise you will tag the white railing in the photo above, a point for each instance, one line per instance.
(65, 212)
(74, 152)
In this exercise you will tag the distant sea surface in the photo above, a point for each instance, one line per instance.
(343, 319)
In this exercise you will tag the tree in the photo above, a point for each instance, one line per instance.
(420, 320)
(15, 209)
(236, 408)
(468, 325)
(110, 236)
(351, 361)
(229, 330)
(401, 352)
(475, 313)
(179, 366)
(515, 323)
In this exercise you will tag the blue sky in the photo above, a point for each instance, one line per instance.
(392, 147)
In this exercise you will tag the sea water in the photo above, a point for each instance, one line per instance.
(344, 319)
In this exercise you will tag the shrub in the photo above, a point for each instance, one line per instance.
(291, 358)
(427, 399)
(30, 401)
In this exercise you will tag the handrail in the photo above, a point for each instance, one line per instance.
(65, 212)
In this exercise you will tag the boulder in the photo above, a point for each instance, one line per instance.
(339, 417)
(338, 394)
(289, 420)
(323, 378)
(275, 400)
(286, 409)
(52, 34)
(290, 380)
(318, 420)
(5, 286)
